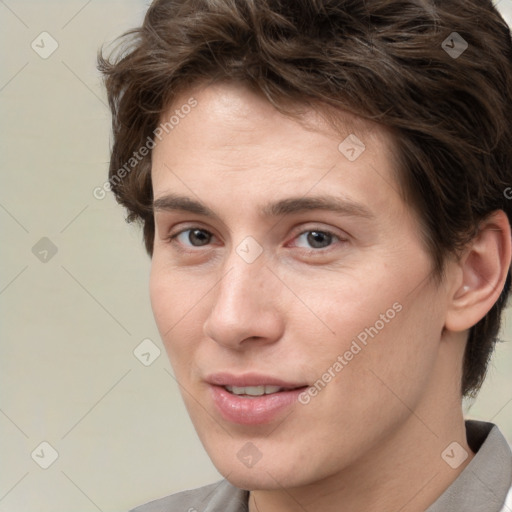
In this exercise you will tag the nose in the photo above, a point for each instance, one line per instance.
(245, 305)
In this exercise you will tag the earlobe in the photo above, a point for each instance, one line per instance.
(484, 268)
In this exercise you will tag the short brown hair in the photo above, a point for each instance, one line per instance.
(383, 60)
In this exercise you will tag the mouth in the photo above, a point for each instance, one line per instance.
(252, 399)
(256, 391)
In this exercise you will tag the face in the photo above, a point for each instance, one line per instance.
(299, 274)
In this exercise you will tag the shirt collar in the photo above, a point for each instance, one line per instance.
(484, 483)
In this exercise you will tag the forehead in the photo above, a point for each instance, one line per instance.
(234, 106)
(234, 140)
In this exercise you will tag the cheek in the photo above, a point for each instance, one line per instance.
(161, 299)
(348, 308)
(390, 370)
(173, 293)
(178, 300)
(383, 337)
(168, 302)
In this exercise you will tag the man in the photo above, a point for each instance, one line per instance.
(322, 186)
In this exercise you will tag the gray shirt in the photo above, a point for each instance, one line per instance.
(481, 487)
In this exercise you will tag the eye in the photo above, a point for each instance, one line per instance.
(197, 237)
(317, 239)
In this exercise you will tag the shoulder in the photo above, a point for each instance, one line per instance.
(219, 496)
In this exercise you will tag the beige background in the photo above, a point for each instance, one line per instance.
(70, 324)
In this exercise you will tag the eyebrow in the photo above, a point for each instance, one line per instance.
(287, 206)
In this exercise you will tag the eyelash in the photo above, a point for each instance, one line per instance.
(172, 239)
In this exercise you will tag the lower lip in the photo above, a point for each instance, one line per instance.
(254, 410)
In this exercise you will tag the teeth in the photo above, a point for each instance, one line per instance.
(253, 390)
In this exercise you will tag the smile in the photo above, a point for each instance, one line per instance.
(252, 391)
(252, 399)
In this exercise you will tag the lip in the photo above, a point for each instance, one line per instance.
(250, 379)
(245, 410)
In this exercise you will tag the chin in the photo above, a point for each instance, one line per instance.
(274, 469)
(255, 479)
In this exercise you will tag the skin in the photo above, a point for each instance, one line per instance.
(396, 406)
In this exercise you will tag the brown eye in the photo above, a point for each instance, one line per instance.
(196, 237)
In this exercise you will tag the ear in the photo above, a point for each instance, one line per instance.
(484, 267)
